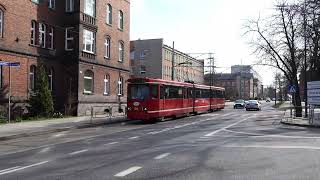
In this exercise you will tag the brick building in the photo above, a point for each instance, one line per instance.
(84, 45)
(152, 58)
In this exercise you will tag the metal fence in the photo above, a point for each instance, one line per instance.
(314, 115)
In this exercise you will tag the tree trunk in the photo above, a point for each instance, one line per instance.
(297, 98)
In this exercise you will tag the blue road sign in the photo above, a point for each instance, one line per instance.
(292, 88)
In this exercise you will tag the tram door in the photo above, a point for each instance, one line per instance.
(162, 97)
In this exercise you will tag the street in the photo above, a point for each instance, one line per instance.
(227, 144)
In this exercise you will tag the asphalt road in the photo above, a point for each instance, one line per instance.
(228, 144)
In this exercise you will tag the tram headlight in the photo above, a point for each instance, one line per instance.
(145, 109)
(129, 108)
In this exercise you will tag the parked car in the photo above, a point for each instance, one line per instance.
(240, 103)
(253, 105)
(268, 99)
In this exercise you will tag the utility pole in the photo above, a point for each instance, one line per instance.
(305, 61)
(172, 70)
(9, 98)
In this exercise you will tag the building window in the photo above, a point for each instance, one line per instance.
(88, 82)
(121, 51)
(120, 86)
(142, 69)
(106, 83)
(88, 41)
(32, 77)
(68, 39)
(50, 79)
(1, 23)
(52, 4)
(143, 54)
(120, 19)
(89, 7)
(69, 5)
(42, 35)
(107, 46)
(33, 33)
(51, 38)
(109, 14)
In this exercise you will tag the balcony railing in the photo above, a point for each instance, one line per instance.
(88, 19)
(87, 55)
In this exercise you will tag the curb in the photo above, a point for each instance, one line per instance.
(299, 125)
(82, 126)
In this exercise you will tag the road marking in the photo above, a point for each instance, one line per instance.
(44, 150)
(78, 152)
(135, 137)
(59, 135)
(9, 169)
(111, 143)
(24, 167)
(245, 133)
(224, 128)
(162, 156)
(128, 171)
(274, 147)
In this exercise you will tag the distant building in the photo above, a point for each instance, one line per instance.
(242, 82)
(152, 58)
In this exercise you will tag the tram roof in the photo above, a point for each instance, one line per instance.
(169, 82)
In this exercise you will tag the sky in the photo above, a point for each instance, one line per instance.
(202, 26)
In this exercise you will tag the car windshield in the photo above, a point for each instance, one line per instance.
(239, 101)
(253, 102)
(138, 91)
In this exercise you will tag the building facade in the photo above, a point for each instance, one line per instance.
(84, 45)
(152, 58)
(242, 82)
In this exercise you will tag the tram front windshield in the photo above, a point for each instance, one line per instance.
(139, 91)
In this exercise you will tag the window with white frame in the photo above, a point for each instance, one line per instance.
(33, 33)
(121, 51)
(109, 14)
(107, 47)
(120, 86)
(51, 38)
(68, 44)
(88, 41)
(88, 82)
(89, 7)
(69, 5)
(1, 22)
(106, 82)
(142, 69)
(32, 77)
(50, 79)
(35, 1)
(120, 20)
(52, 4)
(42, 35)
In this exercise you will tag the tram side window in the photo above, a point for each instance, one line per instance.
(175, 92)
(162, 92)
(190, 93)
(198, 93)
(205, 93)
(154, 91)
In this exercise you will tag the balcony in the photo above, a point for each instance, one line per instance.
(88, 56)
(87, 19)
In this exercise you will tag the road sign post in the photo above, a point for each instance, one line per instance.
(9, 64)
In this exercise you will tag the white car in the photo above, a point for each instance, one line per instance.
(253, 105)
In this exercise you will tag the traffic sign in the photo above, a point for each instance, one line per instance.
(313, 92)
(11, 64)
(292, 89)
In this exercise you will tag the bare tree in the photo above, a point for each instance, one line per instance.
(277, 42)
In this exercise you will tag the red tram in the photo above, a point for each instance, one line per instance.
(150, 99)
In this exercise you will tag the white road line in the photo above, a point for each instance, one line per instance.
(221, 129)
(128, 171)
(9, 169)
(274, 147)
(162, 156)
(245, 133)
(44, 150)
(78, 152)
(111, 143)
(135, 137)
(24, 167)
(59, 135)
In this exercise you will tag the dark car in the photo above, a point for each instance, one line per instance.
(253, 105)
(240, 103)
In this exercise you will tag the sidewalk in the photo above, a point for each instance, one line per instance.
(33, 128)
(289, 118)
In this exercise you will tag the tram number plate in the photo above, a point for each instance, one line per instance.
(136, 108)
